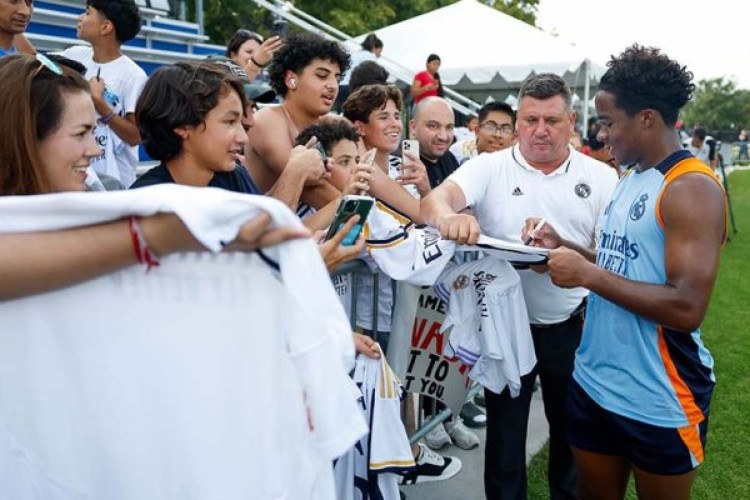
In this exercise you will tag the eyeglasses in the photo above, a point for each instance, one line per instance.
(46, 62)
(493, 127)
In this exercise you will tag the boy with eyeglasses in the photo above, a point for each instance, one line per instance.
(496, 130)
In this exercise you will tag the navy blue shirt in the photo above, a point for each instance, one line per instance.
(237, 180)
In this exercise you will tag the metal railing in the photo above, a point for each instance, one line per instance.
(302, 19)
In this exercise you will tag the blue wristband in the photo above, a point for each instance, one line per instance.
(108, 118)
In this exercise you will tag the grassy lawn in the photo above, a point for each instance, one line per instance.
(726, 332)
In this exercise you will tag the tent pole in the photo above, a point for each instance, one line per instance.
(586, 95)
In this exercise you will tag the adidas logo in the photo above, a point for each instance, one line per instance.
(517, 191)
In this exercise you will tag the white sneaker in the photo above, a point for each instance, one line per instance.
(462, 436)
(437, 438)
(432, 467)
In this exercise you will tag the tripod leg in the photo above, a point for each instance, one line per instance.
(725, 181)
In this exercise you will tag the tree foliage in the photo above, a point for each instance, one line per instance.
(353, 17)
(718, 105)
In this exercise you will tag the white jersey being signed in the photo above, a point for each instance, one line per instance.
(490, 324)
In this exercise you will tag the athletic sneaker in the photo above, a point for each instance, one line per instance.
(473, 416)
(432, 467)
(438, 437)
(462, 436)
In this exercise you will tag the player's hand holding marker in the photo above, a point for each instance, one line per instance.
(566, 267)
(537, 232)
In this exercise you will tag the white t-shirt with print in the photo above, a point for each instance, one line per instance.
(124, 81)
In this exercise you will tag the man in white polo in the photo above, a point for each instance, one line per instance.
(541, 176)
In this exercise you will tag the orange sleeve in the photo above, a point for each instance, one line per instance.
(690, 166)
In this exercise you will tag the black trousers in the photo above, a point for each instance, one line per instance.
(507, 418)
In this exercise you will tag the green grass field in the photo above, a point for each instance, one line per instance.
(726, 332)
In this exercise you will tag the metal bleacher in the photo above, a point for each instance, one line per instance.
(162, 40)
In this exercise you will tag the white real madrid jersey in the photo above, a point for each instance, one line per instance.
(147, 385)
(490, 326)
(400, 251)
(372, 469)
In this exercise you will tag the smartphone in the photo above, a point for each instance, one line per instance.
(411, 146)
(279, 28)
(319, 147)
(350, 205)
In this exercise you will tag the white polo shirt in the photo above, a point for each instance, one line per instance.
(504, 190)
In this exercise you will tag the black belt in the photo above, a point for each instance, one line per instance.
(578, 315)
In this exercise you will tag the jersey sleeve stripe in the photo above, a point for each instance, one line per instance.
(689, 166)
(391, 463)
(393, 212)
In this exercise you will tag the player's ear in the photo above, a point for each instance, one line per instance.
(573, 115)
(648, 118)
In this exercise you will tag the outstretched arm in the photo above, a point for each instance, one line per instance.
(28, 266)
(440, 209)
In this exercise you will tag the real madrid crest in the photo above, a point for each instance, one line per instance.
(461, 282)
(583, 190)
(638, 208)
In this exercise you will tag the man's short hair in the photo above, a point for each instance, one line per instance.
(180, 95)
(363, 101)
(545, 86)
(644, 78)
(502, 107)
(298, 52)
(329, 134)
(367, 73)
(123, 14)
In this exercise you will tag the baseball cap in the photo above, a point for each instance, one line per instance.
(256, 92)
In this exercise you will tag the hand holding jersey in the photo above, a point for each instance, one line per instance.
(462, 228)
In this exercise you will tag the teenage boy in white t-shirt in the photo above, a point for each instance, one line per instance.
(116, 82)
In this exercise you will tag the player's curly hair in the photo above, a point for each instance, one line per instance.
(644, 78)
(298, 51)
(329, 134)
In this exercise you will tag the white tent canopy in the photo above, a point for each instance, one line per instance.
(478, 42)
